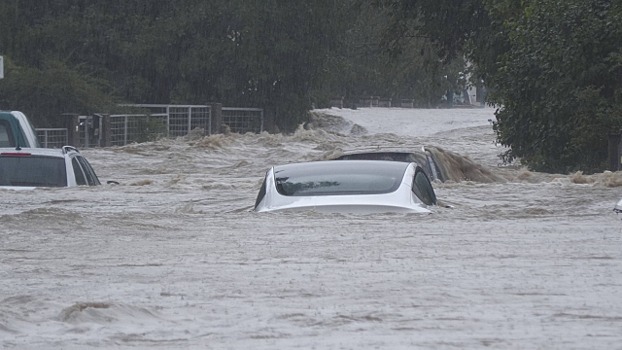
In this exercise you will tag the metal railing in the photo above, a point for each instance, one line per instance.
(243, 120)
(52, 137)
(130, 128)
(150, 122)
(158, 121)
(180, 119)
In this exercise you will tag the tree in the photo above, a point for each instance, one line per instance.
(284, 49)
(247, 53)
(560, 85)
(553, 67)
(285, 56)
(366, 63)
(44, 94)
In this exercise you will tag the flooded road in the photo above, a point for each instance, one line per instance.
(174, 256)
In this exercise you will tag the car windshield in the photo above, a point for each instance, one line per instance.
(339, 178)
(37, 171)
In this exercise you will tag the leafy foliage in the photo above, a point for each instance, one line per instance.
(41, 93)
(285, 56)
(553, 67)
(369, 63)
(560, 85)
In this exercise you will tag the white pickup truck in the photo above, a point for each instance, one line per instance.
(16, 130)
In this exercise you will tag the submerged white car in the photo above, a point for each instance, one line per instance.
(29, 168)
(353, 186)
(424, 157)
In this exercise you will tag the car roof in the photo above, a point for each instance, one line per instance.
(378, 148)
(21, 128)
(351, 166)
(412, 156)
(423, 157)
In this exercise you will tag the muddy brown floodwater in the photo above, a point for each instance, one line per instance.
(174, 256)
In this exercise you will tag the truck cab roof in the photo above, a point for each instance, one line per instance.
(16, 130)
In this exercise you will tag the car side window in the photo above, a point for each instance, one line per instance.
(423, 188)
(91, 178)
(5, 134)
(77, 170)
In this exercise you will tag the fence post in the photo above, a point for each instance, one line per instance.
(106, 131)
(125, 121)
(189, 120)
(614, 151)
(72, 124)
(215, 117)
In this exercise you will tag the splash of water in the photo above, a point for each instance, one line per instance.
(454, 167)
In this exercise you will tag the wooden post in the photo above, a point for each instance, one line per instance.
(106, 131)
(215, 118)
(72, 123)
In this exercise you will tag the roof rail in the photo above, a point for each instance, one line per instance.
(66, 149)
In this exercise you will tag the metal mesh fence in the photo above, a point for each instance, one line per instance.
(52, 137)
(243, 120)
(183, 119)
(157, 121)
(131, 128)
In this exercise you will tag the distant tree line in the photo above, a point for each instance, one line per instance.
(554, 69)
(285, 56)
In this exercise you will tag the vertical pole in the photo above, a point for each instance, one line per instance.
(168, 121)
(73, 124)
(125, 130)
(209, 120)
(189, 120)
(216, 117)
(106, 131)
(87, 138)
